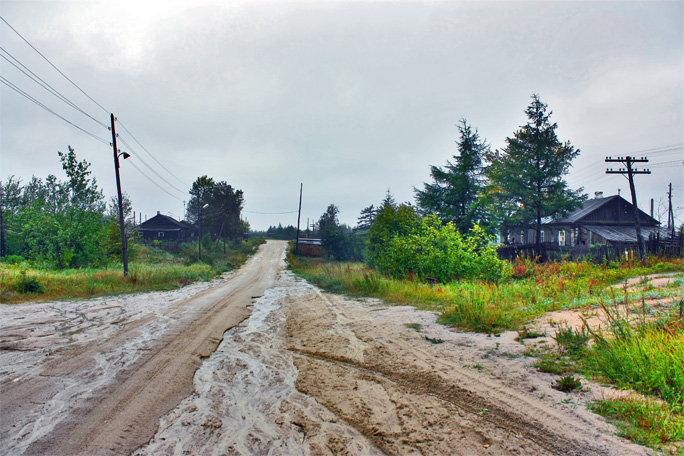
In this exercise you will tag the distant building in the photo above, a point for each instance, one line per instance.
(165, 228)
(310, 247)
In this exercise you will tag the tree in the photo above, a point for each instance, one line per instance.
(10, 199)
(391, 221)
(111, 240)
(366, 218)
(333, 238)
(454, 193)
(62, 222)
(526, 177)
(223, 212)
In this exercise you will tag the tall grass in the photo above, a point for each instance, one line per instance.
(647, 357)
(532, 290)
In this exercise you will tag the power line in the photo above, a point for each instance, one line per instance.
(148, 166)
(148, 178)
(53, 66)
(149, 153)
(270, 213)
(33, 76)
(29, 97)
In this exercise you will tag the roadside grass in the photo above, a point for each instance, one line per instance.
(638, 348)
(491, 307)
(153, 270)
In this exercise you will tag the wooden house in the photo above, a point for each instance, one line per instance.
(164, 228)
(600, 221)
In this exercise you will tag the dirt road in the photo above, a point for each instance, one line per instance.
(300, 372)
(105, 394)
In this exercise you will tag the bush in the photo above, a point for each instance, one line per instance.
(29, 284)
(12, 259)
(435, 250)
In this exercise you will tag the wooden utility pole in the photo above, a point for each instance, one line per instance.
(124, 240)
(630, 171)
(299, 215)
(670, 214)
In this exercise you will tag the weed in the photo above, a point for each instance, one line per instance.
(417, 326)
(573, 341)
(568, 383)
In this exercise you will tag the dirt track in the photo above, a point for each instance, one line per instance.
(306, 373)
(123, 412)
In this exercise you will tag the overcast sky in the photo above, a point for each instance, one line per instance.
(348, 98)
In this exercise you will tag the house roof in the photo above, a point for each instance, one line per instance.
(164, 223)
(591, 205)
(622, 233)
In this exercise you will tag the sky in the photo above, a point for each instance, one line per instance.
(348, 98)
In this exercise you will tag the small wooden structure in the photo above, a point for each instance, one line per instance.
(310, 247)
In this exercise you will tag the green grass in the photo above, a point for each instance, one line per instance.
(154, 269)
(491, 307)
(645, 421)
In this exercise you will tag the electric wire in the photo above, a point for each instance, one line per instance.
(270, 213)
(147, 165)
(29, 97)
(149, 153)
(53, 65)
(38, 80)
(152, 181)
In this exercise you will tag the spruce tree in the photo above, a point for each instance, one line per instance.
(528, 174)
(454, 193)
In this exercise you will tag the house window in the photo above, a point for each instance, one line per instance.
(160, 234)
(522, 237)
(561, 237)
(541, 236)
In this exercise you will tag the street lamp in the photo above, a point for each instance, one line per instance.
(124, 240)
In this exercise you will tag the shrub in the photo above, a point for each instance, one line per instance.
(29, 284)
(435, 250)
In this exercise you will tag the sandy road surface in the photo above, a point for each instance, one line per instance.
(307, 373)
(94, 377)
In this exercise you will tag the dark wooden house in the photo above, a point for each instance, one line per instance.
(165, 228)
(600, 221)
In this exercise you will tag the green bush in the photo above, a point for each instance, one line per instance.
(29, 284)
(12, 259)
(433, 249)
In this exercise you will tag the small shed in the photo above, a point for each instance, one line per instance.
(310, 247)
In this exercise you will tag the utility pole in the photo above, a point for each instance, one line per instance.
(124, 240)
(670, 214)
(630, 171)
(299, 216)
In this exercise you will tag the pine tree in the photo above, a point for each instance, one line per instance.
(454, 193)
(527, 175)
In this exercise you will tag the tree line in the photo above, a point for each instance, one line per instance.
(68, 224)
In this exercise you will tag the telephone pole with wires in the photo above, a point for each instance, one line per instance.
(630, 171)
(124, 240)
